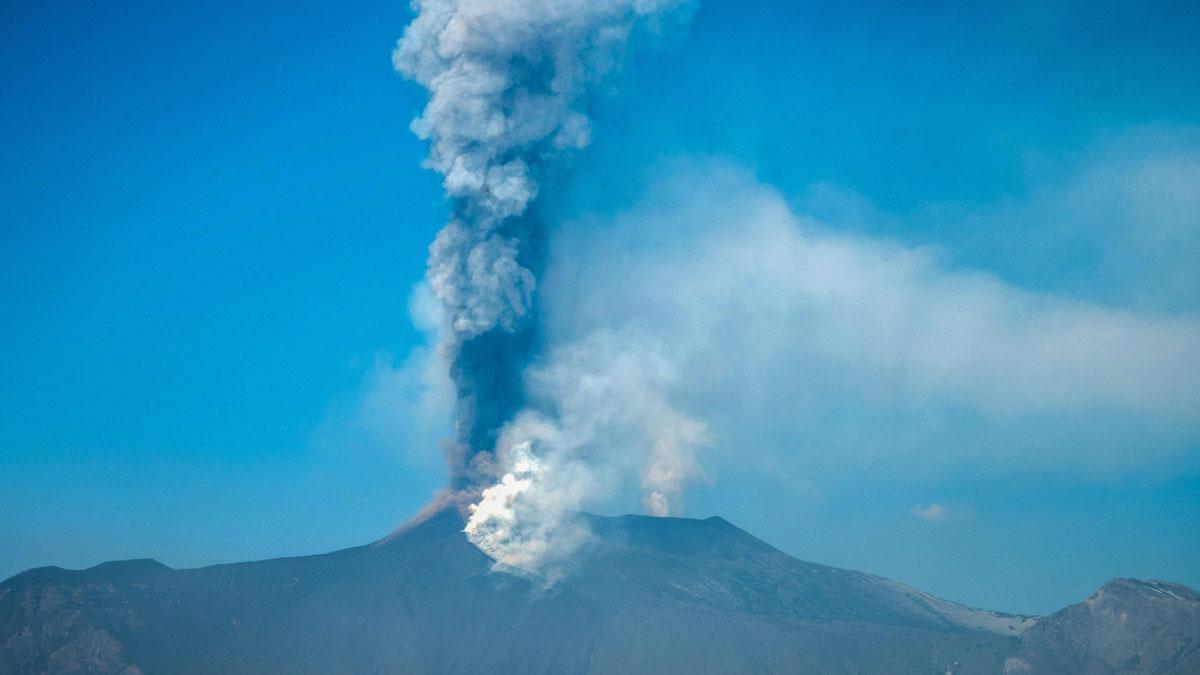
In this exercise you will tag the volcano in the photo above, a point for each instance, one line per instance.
(647, 595)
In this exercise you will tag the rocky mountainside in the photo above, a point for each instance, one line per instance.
(1126, 626)
(654, 595)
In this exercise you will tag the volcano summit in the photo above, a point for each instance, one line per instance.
(648, 595)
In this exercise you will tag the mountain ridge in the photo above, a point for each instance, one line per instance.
(646, 595)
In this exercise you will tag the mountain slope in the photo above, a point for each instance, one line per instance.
(1127, 625)
(648, 595)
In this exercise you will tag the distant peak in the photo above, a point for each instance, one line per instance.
(116, 569)
(135, 565)
(664, 521)
(669, 534)
(1150, 588)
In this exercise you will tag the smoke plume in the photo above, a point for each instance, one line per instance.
(598, 413)
(508, 82)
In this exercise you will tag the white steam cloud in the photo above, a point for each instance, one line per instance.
(508, 82)
(932, 512)
(826, 354)
(601, 414)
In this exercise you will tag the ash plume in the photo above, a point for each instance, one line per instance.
(508, 83)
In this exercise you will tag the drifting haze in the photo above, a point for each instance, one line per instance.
(587, 356)
(712, 326)
(845, 349)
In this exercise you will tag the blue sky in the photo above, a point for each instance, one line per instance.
(213, 217)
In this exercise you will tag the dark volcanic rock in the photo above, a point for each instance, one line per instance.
(657, 595)
(1128, 626)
